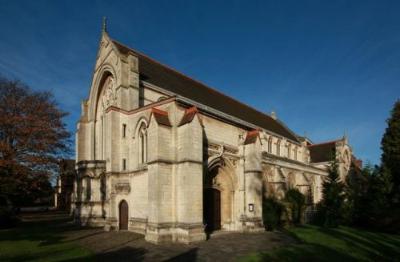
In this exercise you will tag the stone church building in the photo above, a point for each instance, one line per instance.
(164, 155)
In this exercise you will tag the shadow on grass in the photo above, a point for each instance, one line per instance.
(123, 254)
(40, 236)
(293, 235)
(46, 231)
(339, 244)
(190, 255)
(372, 245)
(306, 252)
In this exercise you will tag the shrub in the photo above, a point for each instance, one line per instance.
(296, 204)
(272, 213)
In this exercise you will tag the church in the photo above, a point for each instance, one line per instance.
(163, 155)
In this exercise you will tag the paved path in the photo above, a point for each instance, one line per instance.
(127, 246)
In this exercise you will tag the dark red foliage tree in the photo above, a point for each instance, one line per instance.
(33, 137)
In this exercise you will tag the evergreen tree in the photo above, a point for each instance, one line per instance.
(390, 146)
(366, 201)
(355, 189)
(333, 197)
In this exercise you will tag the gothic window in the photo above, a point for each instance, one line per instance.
(270, 144)
(289, 148)
(278, 147)
(142, 144)
(107, 98)
(88, 189)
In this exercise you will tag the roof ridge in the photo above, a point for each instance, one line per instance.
(205, 86)
(188, 77)
(324, 143)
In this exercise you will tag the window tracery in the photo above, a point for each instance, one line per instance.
(109, 93)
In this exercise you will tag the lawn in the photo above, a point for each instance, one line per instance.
(40, 241)
(341, 244)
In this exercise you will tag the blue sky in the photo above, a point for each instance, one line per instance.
(326, 67)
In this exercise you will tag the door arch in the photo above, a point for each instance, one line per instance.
(219, 185)
(123, 215)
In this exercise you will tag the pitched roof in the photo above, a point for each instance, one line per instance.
(323, 152)
(161, 117)
(160, 75)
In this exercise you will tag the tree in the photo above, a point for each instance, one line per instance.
(33, 137)
(390, 146)
(333, 197)
(366, 196)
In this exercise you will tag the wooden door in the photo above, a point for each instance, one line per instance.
(123, 215)
(212, 209)
(217, 209)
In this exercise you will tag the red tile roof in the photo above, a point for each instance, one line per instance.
(251, 136)
(161, 117)
(189, 115)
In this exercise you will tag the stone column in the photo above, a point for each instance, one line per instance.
(160, 198)
(189, 183)
(252, 218)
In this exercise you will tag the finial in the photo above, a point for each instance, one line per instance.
(273, 115)
(104, 29)
(344, 136)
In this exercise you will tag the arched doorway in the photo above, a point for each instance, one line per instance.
(123, 215)
(218, 196)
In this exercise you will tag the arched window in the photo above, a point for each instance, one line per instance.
(106, 98)
(295, 153)
(289, 148)
(270, 144)
(278, 147)
(142, 144)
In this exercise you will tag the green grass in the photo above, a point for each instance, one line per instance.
(40, 241)
(341, 244)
